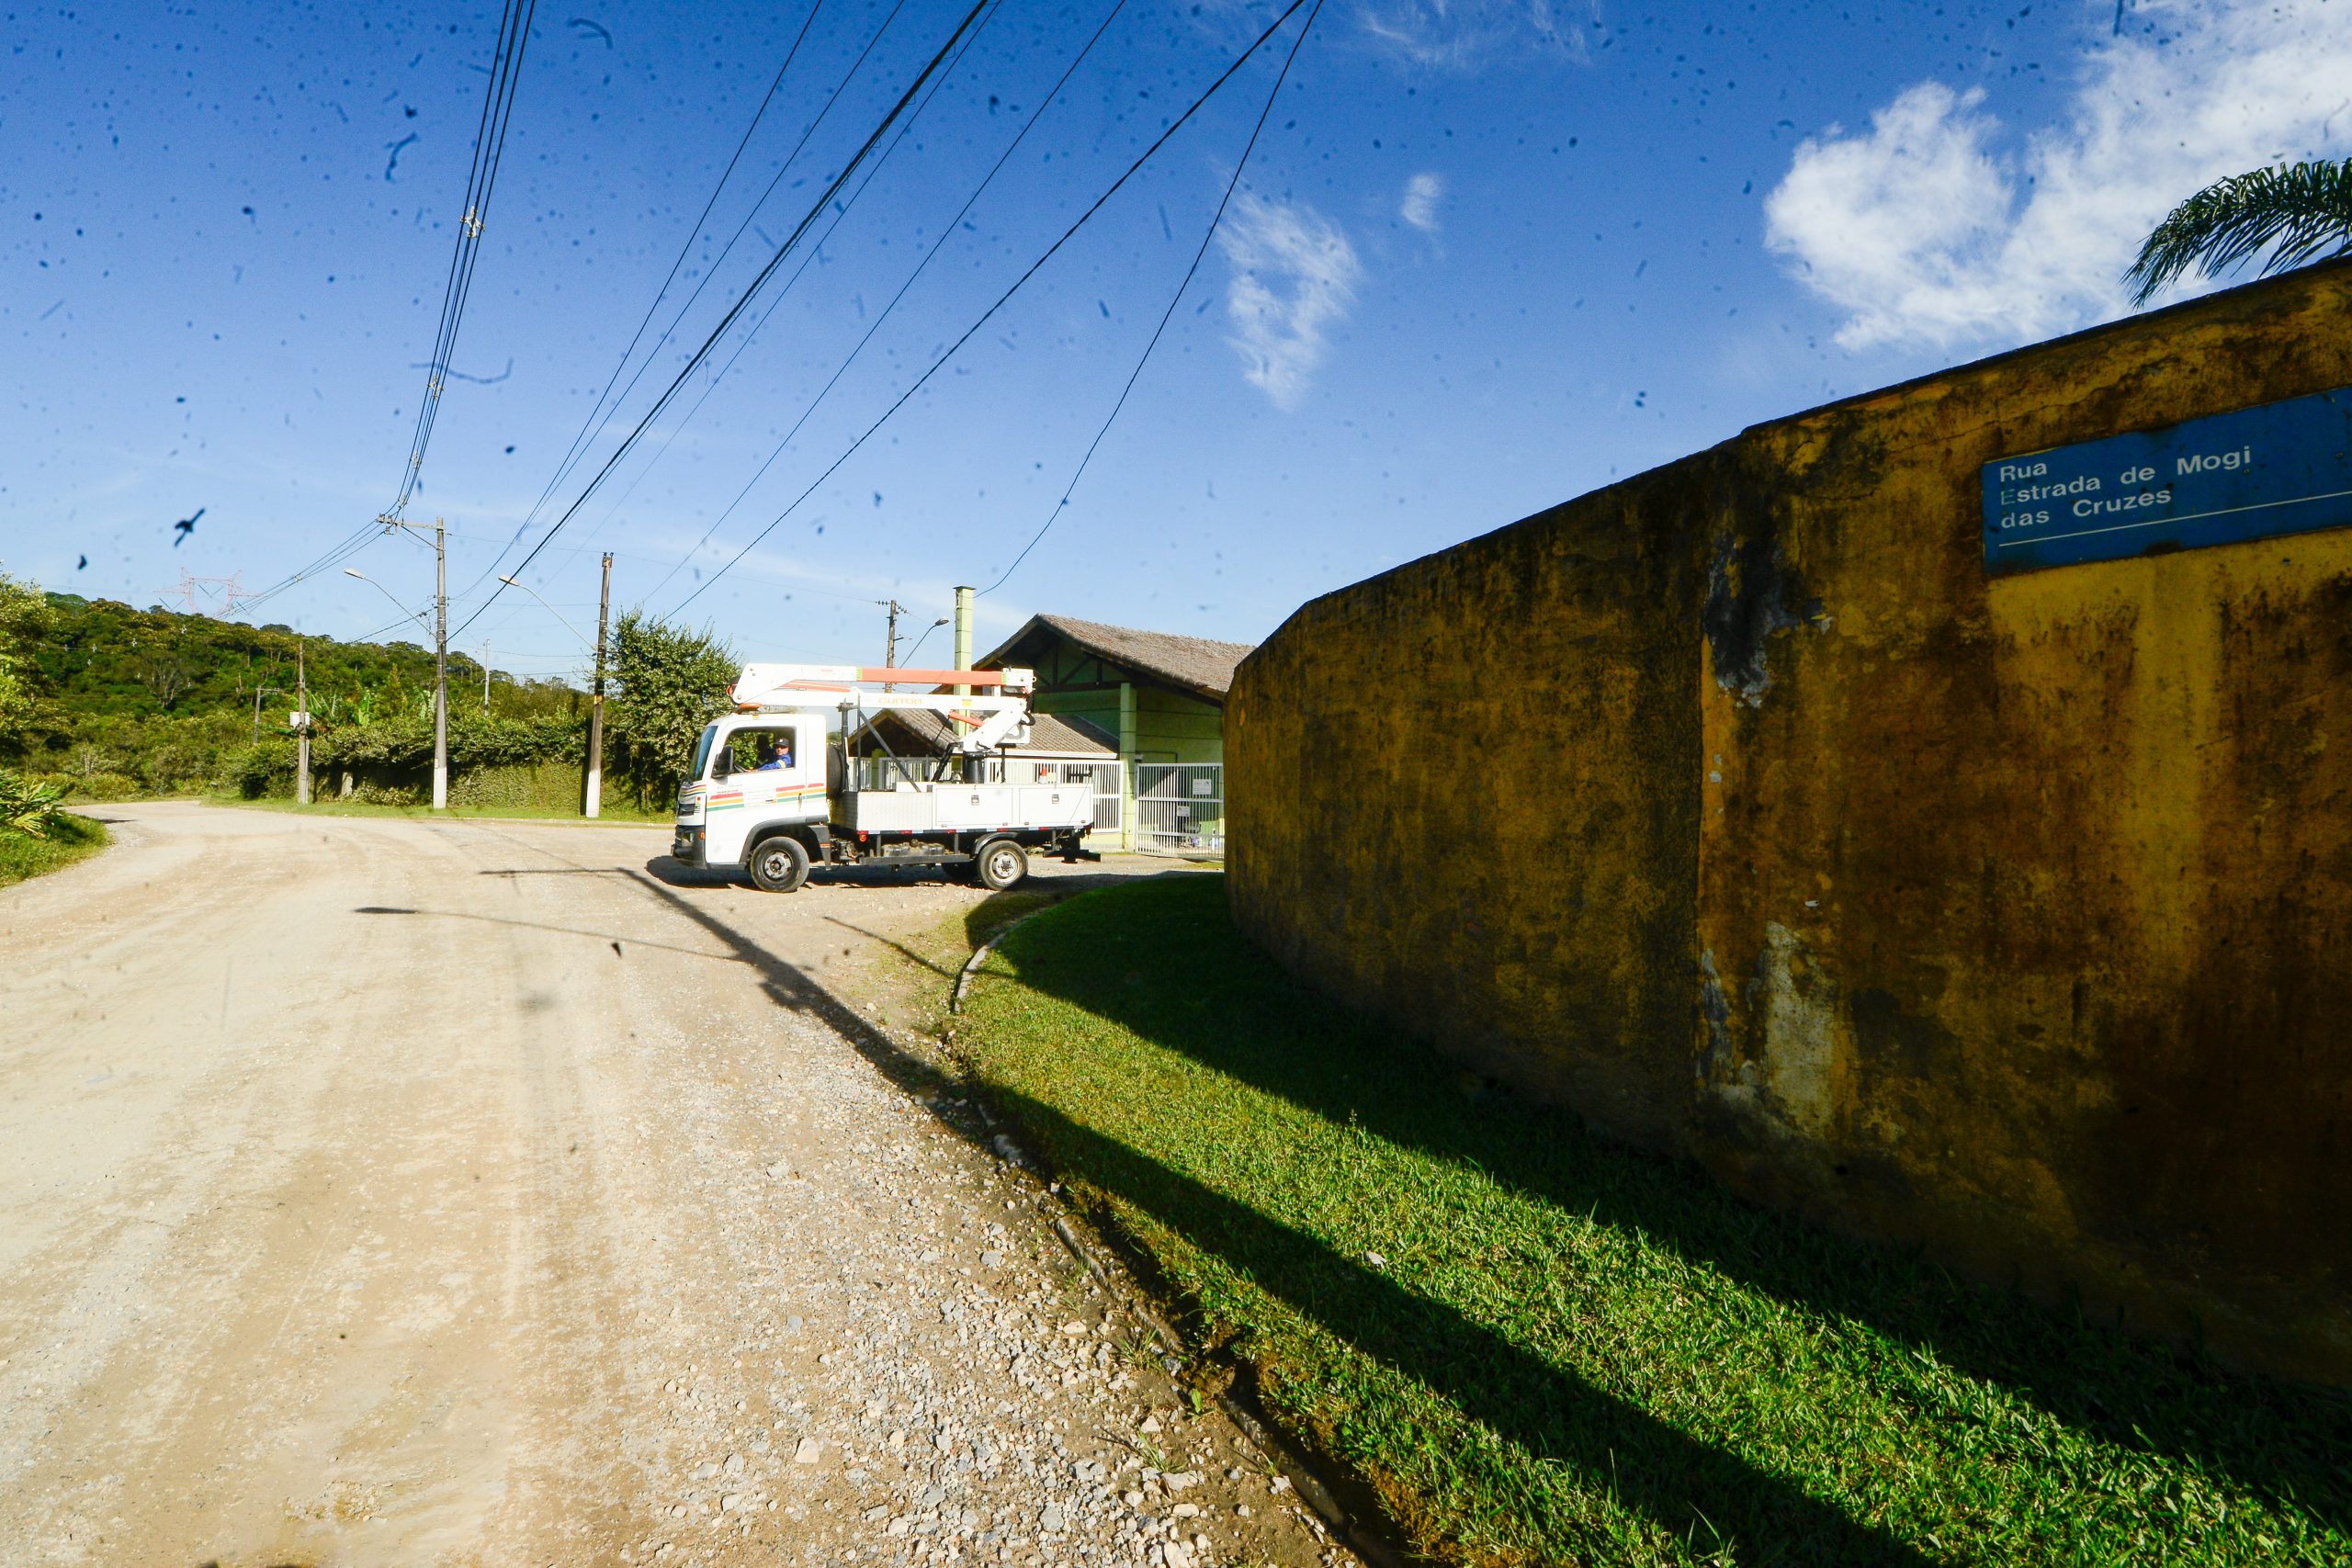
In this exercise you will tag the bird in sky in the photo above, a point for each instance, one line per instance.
(187, 526)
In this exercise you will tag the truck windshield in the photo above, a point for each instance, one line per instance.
(701, 751)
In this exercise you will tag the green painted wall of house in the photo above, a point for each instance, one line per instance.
(1169, 726)
(1151, 722)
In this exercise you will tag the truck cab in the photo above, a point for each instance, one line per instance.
(772, 790)
(752, 774)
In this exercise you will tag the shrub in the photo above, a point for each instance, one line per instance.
(26, 807)
(264, 769)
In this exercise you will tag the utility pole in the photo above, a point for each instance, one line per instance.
(301, 727)
(440, 647)
(890, 644)
(597, 701)
(485, 677)
(440, 668)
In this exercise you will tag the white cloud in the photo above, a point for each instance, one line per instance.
(1933, 228)
(1462, 35)
(1422, 193)
(1293, 277)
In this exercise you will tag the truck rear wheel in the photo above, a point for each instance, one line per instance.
(779, 864)
(1002, 864)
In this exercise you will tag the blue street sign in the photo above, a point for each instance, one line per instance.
(2281, 468)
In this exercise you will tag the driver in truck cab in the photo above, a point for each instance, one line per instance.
(769, 752)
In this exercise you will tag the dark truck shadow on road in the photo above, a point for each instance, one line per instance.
(2291, 1440)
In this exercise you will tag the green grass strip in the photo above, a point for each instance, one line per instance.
(73, 837)
(1543, 1348)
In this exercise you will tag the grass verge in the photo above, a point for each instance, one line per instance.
(1542, 1349)
(74, 838)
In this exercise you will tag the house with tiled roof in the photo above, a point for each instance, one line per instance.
(1158, 699)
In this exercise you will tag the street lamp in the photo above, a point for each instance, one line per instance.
(416, 616)
(517, 583)
(924, 638)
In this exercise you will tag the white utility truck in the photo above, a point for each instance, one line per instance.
(777, 786)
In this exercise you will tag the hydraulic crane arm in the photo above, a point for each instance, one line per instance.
(994, 721)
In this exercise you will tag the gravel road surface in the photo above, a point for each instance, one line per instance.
(377, 1190)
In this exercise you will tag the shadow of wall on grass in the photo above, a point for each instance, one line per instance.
(1672, 1477)
(1686, 1485)
(2281, 1439)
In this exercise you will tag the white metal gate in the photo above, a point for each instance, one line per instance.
(1180, 807)
(1106, 800)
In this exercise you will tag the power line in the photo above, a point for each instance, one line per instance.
(744, 301)
(797, 584)
(489, 148)
(945, 235)
(579, 447)
(840, 215)
(564, 466)
(1208, 234)
(489, 143)
(921, 381)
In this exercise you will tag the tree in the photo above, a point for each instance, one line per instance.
(667, 682)
(165, 677)
(24, 619)
(2304, 211)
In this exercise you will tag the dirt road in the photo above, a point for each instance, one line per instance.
(384, 1191)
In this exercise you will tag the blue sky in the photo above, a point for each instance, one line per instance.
(1486, 256)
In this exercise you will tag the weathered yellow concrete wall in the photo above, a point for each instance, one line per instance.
(1464, 797)
(1736, 807)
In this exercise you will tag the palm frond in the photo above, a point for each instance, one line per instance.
(2303, 210)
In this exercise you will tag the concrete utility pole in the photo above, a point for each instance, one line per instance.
(485, 677)
(963, 635)
(596, 700)
(301, 727)
(440, 668)
(890, 643)
(440, 646)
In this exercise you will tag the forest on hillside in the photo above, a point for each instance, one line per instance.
(123, 701)
(106, 702)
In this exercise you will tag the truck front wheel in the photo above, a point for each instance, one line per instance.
(779, 864)
(1002, 863)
